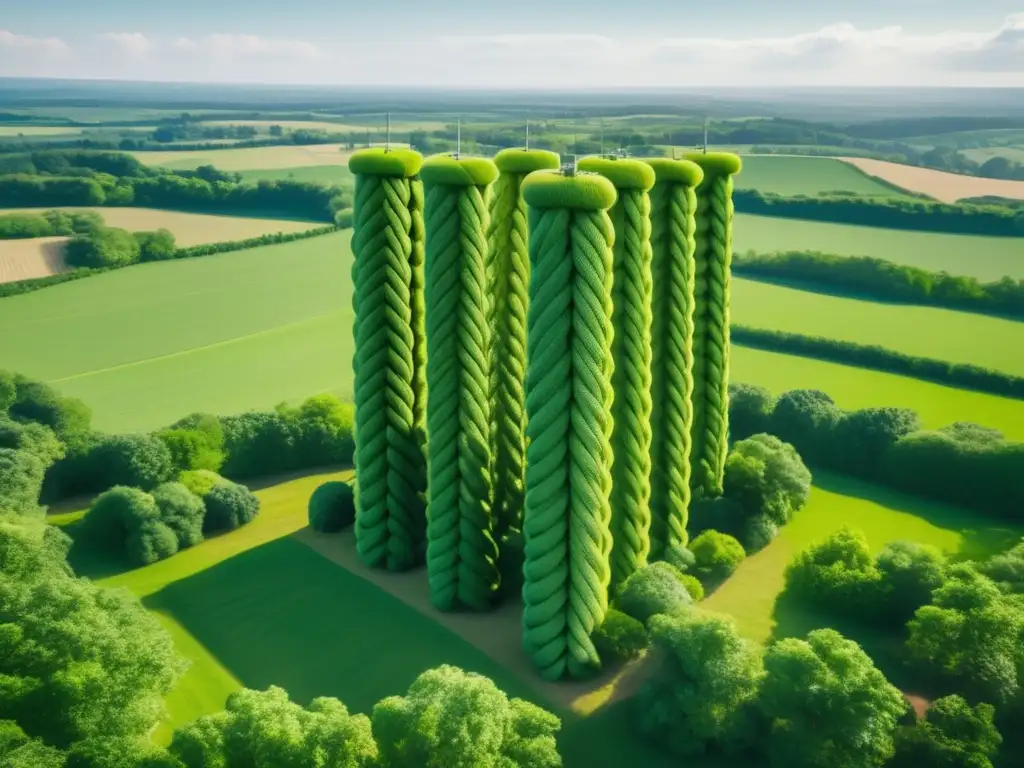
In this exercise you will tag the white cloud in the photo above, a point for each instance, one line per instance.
(27, 56)
(235, 46)
(9, 41)
(132, 43)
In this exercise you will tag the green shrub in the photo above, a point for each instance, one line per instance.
(21, 480)
(181, 511)
(767, 477)
(126, 521)
(201, 481)
(750, 410)
(718, 555)
(192, 449)
(679, 557)
(156, 246)
(837, 573)
(653, 589)
(953, 734)
(757, 533)
(68, 417)
(908, 574)
(37, 439)
(620, 637)
(8, 390)
(1007, 569)
(141, 461)
(332, 507)
(102, 247)
(693, 586)
(229, 506)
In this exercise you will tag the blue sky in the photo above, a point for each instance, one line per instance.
(520, 42)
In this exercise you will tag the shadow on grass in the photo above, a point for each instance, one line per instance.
(281, 614)
(983, 536)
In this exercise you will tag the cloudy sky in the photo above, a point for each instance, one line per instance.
(520, 43)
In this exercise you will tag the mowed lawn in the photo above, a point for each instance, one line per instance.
(958, 337)
(188, 228)
(249, 158)
(322, 174)
(791, 175)
(256, 608)
(986, 258)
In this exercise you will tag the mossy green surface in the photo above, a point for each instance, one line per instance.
(716, 163)
(514, 160)
(676, 171)
(583, 192)
(377, 161)
(623, 173)
(458, 172)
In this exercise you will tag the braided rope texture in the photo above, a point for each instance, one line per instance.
(461, 550)
(390, 520)
(631, 382)
(417, 308)
(673, 205)
(567, 516)
(508, 275)
(713, 258)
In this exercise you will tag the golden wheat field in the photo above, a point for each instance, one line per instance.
(947, 187)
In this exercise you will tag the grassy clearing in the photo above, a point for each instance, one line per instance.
(323, 174)
(944, 334)
(250, 158)
(986, 258)
(948, 187)
(853, 388)
(256, 608)
(189, 228)
(883, 515)
(789, 175)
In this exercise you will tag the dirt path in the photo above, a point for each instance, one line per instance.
(947, 187)
(498, 634)
(32, 257)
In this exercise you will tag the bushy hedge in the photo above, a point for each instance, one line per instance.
(182, 511)
(102, 247)
(880, 279)
(620, 637)
(21, 479)
(229, 506)
(126, 521)
(653, 589)
(962, 375)
(51, 223)
(332, 507)
(717, 556)
(887, 212)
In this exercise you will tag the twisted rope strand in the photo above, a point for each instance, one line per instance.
(417, 309)
(672, 239)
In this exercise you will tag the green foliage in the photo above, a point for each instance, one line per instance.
(766, 476)
(655, 588)
(953, 735)
(839, 573)
(141, 461)
(908, 574)
(201, 481)
(826, 704)
(195, 442)
(693, 586)
(127, 521)
(264, 729)
(8, 390)
(620, 637)
(757, 533)
(47, 224)
(717, 555)
(158, 245)
(750, 410)
(21, 480)
(708, 674)
(102, 247)
(33, 438)
(182, 511)
(805, 418)
(679, 557)
(118, 753)
(861, 438)
(970, 637)
(229, 506)
(481, 726)
(1007, 569)
(78, 661)
(35, 401)
(332, 507)
(962, 375)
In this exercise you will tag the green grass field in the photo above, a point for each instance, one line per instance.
(987, 258)
(324, 174)
(789, 175)
(252, 328)
(249, 158)
(959, 337)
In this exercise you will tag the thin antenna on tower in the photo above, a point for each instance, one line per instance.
(387, 134)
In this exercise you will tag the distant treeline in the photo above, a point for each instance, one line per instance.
(18, 226)
(962, 375)
(113, 142)
(884, 280)
(57, 178)
(890, 213)
(35, 284)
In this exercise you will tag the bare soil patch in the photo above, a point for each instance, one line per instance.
(36, 257)
(498, 634)
(947, 187)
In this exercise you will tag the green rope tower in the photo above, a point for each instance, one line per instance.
(673, 205)
(713, 258)
(566, 520)
(508, 278)
(390, 521)
(631, 357)
(417, 307)
(461, 552)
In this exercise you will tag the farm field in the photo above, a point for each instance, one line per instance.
(981, 154)
(986, 258)
(38, 130)
(378, 122)
(36, 257)
(249, 158)
(258, 607)
(323, 174)
(960, 337)
(188, 228)
(791, 175)
(947, 187)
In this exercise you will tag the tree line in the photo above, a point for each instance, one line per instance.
(884, 280)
